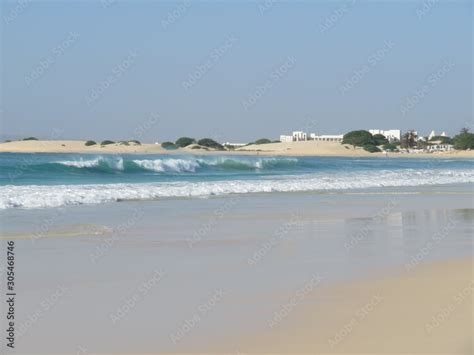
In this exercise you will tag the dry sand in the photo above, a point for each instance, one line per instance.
(426, 310)
(308, 148)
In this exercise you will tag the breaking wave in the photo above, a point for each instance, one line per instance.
(40, 196)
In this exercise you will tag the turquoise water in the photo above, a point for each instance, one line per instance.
(52, 180)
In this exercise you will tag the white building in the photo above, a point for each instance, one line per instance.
(391, 134)
(299, 136)
(295, 137)
(286, 139)
(327, 137)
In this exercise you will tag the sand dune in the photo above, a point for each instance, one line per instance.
(308, 148)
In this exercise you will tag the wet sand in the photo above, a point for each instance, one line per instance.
(214, 275)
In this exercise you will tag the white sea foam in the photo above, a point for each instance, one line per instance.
(112, 163)
(172, 165)
(39, 196)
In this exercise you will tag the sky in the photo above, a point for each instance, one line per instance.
(233, 70)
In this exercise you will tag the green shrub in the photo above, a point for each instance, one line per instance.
(7, 141)
(88, 143)
(464, 140)
(107, 142)
(135, 141)
(390, 147)
(379, 139)
(210, 143)
(30, 139)
(184, 141)
(372, 148)
(124, 143)
(262, 141)
(168, 145)
(358, 138)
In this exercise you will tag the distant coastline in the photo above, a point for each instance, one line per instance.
(302, 148)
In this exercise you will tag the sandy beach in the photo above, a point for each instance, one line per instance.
(312, 291)
(308, 148)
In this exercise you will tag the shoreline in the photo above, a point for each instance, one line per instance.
(293, 149)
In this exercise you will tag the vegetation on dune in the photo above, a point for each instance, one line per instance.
(464, 140)
(135, 141)
(88, 143)
(30, 139)
(184, 141)
(123, 143)
(262, 141)
(168, 145)
(390, 147)
(210, 143)
(106, 142)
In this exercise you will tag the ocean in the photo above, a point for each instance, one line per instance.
(56, 180)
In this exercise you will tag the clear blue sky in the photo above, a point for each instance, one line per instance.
(266, 68)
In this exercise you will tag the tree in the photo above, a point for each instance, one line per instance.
(380, 139)
(464, 140)
(409, 139)
(358, 138)
(184, 141)
(88, 143)
(210, 143)
(372, 148)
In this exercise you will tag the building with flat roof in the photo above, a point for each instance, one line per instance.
(391, 134)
